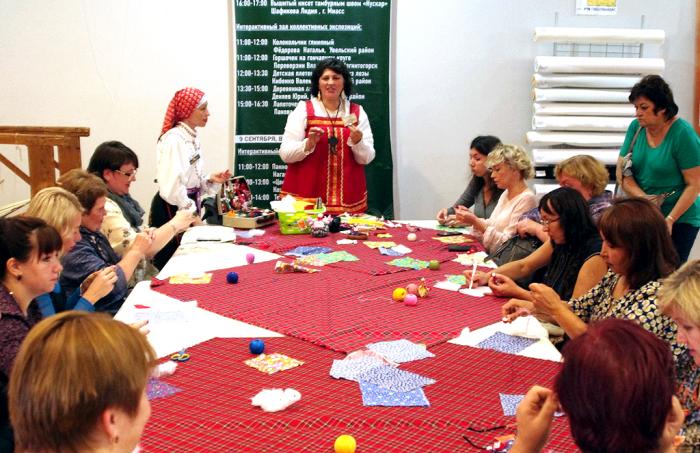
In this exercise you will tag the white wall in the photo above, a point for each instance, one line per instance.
(112, 66)
(462, 68)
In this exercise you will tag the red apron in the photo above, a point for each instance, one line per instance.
(336, 178)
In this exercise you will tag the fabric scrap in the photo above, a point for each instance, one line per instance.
(400, 351)
(272, 363)
(373, 395)
(509, 344)
(395, 379)
(155, 388)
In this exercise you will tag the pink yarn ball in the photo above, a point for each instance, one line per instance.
(412, 288)
(250, 258)
(411, 300)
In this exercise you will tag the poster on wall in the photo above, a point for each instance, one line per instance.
(277, 45)
(596, 7)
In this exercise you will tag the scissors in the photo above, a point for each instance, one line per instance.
(181, 356)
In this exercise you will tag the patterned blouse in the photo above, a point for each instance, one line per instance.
(688, 387)
(636, 305)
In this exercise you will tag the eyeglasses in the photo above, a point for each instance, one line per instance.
(128, 174)
(545, 222)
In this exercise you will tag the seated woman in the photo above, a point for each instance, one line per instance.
(510, 167)
(93, 252)
(29, 266)
(570, 259)
(588, 177)
(638, 249)
(62, 210)
(615, 386)
(679, 298)
(117, 165)
(79, 384)
(481, 192)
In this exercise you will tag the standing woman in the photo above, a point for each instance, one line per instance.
(327, 142)
(510, 168)
(482, 192)
(180, 167)
(664, 151)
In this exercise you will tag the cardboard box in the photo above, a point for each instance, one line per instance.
(235, 204)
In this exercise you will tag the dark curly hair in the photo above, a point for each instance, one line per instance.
(336, 66)
(655, 89)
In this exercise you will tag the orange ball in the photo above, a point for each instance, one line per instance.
(399, 294)
(345, 444)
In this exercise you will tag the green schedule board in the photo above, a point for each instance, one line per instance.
(277, 46)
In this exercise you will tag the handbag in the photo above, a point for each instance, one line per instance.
(627, 171)
(514, 249)
(626, 166)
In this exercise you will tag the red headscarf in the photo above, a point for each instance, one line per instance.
(181, 107)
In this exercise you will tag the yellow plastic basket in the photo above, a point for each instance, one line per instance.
(297, 222)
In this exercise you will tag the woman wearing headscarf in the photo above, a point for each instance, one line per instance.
(327, 142)
(180, 168)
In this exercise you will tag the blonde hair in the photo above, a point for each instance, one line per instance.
(513, 156)
(680, 292)
(57, 207)
(587, 169)
(69, 370)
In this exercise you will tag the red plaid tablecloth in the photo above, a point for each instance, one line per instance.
(339, 309)
(213, 411)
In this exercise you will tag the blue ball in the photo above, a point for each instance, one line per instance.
(257, 346)
(232, 277)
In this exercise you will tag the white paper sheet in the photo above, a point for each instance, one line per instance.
(209, 256)
(585, 139)
(208, 233)
(543, 349)
(579, 95)
(599, 65)
(479, 291)
(584, 81)
(580, 123)
(175, 325)
(550, 156)
(582, 109)
(599, 35)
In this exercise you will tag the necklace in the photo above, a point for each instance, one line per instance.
(332, 140)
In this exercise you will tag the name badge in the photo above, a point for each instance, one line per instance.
(194, 159)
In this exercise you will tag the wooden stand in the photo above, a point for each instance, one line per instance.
(42, 143)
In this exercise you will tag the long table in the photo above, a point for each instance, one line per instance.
(323, 315)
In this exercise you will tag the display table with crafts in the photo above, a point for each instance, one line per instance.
(437, 386)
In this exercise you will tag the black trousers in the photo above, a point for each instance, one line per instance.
(683, 236)
(161, 213)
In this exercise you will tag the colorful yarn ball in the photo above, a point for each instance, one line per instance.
(398, 294)
(412, 288)
(410, 300)
(250, 258)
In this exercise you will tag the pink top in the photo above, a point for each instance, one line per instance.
(501, 226)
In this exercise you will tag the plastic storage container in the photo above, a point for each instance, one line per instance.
(298, 222)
